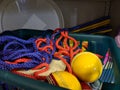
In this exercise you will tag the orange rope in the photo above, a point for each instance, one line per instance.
(20, 60)
(66, 49)
(64, 61)
(25, 75)
(44, 67)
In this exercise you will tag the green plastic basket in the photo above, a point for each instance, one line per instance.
(98, 44)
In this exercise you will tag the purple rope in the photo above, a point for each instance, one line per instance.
(13, 43)
(16, 53)
(15, 48)
(10, 38)
(35, 60)
(29, 42)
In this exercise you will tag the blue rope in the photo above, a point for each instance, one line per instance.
(13, 43)
(15, 48)
(36, 59)
(16, 53)
(10, 38)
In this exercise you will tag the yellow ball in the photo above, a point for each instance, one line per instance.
(87, 66)
(64, 79)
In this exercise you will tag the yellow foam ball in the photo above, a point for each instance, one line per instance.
(87, 66)
(64, 79)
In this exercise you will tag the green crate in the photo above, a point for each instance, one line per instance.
(99, 44)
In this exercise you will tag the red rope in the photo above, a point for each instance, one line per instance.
(43, 68)
(20, 60)
(25, 75)
(39, 41)
(66, 49)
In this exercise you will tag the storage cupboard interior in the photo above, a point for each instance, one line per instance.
(75, 12)
(65, 14)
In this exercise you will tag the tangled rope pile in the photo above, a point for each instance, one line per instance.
(36, 53)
